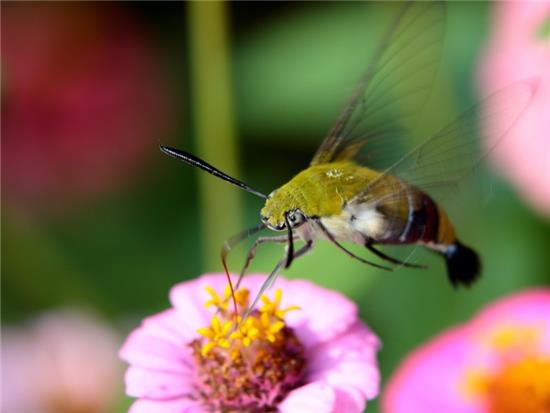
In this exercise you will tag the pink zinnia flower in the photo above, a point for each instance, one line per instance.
(191, 358)
(518, 49)
(65, 361)
(499, 362)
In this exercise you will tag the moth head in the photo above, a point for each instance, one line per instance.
(279, 211)
(293, 218)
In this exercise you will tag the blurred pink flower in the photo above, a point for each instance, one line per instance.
(82, 101)
(499, 362)
(318, 358)
(518, 49)
(64, 362)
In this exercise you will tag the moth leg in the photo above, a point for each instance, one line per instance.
(281, 239)
(273, 276)
(235, 239)
(382, 255)
(228, 246)
(290, 245)
(345, 250)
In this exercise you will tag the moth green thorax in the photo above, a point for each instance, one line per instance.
(316, 191)
(348, 195)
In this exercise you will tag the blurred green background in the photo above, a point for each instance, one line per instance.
(252, 88)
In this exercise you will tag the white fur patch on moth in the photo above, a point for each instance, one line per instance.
(341, 228)
(369, 222)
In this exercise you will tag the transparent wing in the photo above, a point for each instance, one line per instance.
(439, 163)
(392, 91)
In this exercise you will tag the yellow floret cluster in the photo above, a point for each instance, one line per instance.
(230, 331)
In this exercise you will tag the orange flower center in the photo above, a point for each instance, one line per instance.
(520, 387)
(521, 382)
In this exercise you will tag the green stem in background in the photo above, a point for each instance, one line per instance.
(213, 126)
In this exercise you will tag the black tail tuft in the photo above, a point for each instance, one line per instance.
(463, 264)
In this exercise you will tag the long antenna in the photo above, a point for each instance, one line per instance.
(194, 161)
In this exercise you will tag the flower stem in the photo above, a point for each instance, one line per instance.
(213, 125)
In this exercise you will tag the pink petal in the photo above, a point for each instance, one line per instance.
(21, 362)
(348, 401)
(430, 379)
(145, 350)
(323, 314)
(253, 282)
(316, 397)
(348, 362)
(166, 406)
(170, 325)
(188, 299)
(153, 384)
(528, 307)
